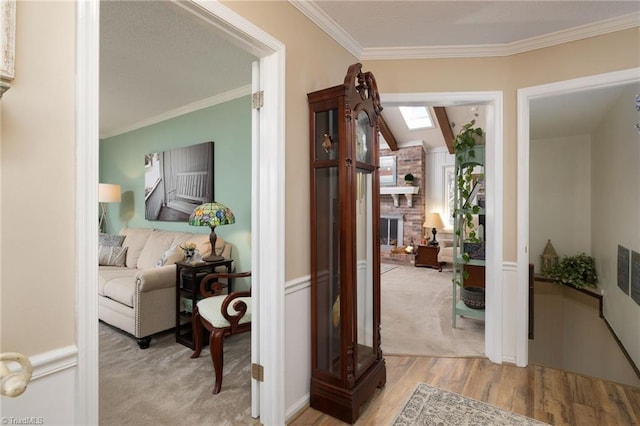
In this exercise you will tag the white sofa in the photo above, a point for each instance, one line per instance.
(139, 294)
(445, 239)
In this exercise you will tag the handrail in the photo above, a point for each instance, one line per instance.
(592, 293)
(14, 383)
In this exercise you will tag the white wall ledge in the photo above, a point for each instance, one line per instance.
(396, 191)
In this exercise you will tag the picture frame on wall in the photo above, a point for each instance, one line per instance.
(177, 181)
(449, 182)
(388, 170)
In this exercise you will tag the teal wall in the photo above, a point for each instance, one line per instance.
(228, 125)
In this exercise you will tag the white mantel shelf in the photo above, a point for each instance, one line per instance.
(395, 192)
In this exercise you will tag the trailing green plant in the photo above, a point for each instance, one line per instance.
(408, 177)
(578, 271)
(465, 143)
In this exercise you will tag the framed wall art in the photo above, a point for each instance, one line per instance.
(177, 181)
(7, 43)
(449, 182)
(388, 170)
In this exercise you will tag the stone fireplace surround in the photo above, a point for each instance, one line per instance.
(408, 160)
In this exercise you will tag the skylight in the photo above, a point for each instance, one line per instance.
(416, 117)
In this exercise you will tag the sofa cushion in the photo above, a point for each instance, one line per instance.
(117, 284)
(110, 240)
(201, 241)
(135, 241)
(112, 256)
(157, 244)
(171, 256)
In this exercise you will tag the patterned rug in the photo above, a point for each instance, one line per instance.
(433, 406)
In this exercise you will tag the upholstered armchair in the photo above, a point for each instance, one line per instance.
(221, 315)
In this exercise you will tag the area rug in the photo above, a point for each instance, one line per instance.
(432, 406)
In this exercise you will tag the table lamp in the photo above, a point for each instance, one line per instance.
(212, 215)
(433, 221)
(107, 193)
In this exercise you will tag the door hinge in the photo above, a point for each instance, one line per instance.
(257, 372)
(257, 100)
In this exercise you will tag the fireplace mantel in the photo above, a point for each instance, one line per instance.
(395, 192)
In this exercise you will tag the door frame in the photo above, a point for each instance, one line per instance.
(268, 192)
(494, 173)
(524, 98)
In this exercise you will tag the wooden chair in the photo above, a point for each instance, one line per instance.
(222, 315)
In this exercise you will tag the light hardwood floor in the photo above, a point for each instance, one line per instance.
(546, 394)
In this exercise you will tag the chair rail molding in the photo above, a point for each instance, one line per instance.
(8, 43)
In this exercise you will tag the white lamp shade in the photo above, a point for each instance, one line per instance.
(109, 193)
(433, 221)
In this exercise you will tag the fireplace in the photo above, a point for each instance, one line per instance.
(391, 231)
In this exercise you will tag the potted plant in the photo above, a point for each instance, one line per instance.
(408, 179)
(577, 271)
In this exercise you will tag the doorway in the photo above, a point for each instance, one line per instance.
(494, 205)
(526, 97)
(267, 195)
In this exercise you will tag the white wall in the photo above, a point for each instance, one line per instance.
(615, 210)
(560, 196)
(298, 345)
(435, 162)
(37, 213)
(49, 398)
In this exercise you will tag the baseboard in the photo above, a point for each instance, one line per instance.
(296, 409)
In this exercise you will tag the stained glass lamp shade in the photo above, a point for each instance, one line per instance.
(212, 215)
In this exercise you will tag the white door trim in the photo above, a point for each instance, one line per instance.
(494, 208)
(86, 209)
(268, 190)
(525, 96)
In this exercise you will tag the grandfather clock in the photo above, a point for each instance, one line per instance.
(346, 357)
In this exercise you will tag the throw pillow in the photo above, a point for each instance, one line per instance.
(112, 256)
(110, 240)
(170, 257)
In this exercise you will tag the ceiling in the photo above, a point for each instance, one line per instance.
(158, 61)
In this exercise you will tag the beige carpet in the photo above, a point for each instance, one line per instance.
(416, 306)
(433, 406)
(162, 385)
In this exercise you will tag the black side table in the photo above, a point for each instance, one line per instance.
(188, 277)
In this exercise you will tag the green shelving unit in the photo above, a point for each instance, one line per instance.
(471, 204)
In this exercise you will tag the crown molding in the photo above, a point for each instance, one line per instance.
(607, 26)
(328, 25)
(186, 109)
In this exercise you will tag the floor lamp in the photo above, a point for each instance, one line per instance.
(107, 193)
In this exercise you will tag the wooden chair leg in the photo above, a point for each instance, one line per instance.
(216, 340)
(196, 328)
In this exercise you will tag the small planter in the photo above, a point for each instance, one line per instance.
(473, 297)
(408, 179)
(474, 250)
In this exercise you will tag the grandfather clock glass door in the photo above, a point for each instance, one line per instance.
(327, 248)
(364, 250)
(347, 362)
